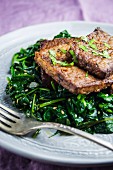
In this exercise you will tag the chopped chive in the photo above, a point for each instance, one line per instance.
(86, 74)
(92, 45)
(63, 51)
(95, 52)
(52, 52)
(107, 45)
(91, 41)
(64, 63)
(55, 61)
(84, 48)
(52, 56)
(106, 54)
(84, 38)
(73, 55)
(72, 52)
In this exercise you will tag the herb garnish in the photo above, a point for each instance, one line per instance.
(84, 38)
(94, 50)
(86, 74)
(55, 61)
(104, 54)
(93, 46)
(107, 45)
(63, 50)
(73, 55)
(84, 48)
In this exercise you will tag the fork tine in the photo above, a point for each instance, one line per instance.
(5, 114)
(4, 127)
(7, 122)
(16, 114)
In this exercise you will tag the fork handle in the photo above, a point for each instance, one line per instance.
(74, 131)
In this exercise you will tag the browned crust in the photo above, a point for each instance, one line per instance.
(96, 65)
(111, 89)
(47, 44)
(72, 78)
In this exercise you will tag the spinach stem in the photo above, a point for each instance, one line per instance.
(89, 124)
(33, 104)
(24, 75)
(51, 102)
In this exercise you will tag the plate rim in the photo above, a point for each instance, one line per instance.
(56, 22)
(29, 27)
(55, 160)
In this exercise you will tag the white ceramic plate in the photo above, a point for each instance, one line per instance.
(66, 150)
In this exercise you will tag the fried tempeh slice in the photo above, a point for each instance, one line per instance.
(72, 78)
(94, 53)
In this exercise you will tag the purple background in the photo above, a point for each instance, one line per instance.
(15, 14)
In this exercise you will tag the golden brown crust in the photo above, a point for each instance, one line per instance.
(72, 78)
(111, 89)
(96, 64)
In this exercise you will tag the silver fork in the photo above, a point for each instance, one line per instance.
(11, 122)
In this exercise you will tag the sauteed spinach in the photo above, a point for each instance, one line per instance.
(92, 113)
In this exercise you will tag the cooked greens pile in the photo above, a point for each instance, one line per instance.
(92, 113)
